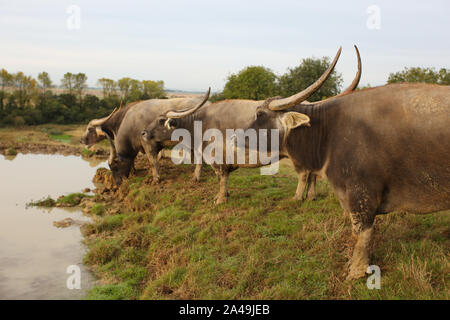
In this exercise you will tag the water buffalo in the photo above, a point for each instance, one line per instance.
(233, 114)
(123, 129)
(382, 149)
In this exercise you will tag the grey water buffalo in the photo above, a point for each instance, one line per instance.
(123, 129)
(231, 114)
(382, 149)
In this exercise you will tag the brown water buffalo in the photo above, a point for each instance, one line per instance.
(233, 114)
(382, 149)
(123, 129)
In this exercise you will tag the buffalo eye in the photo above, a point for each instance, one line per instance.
(162, 121)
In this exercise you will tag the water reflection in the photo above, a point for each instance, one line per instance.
(34, 255)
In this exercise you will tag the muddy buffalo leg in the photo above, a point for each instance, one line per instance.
(152, 156)
(222, 173)
(362, 207)
(197, 170)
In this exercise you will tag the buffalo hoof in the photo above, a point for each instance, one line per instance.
(221, 200)
(156, 180)
(195, 179)
(297, 198)
(357, 271)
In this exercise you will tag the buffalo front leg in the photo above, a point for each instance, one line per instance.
(222, 173)
(198, 168)
(197, 173)
(301, 186)
(362, 228)
(152, 156)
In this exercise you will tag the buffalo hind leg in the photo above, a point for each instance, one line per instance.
(311, 187)
(306, 186)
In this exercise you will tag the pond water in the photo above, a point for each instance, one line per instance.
(35, 255)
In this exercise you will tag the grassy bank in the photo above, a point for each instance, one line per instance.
(170, 242)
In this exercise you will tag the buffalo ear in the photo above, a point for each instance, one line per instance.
(170, 123)
(291, 120)
(99, 132)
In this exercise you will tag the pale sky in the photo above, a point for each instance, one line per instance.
(192, 45)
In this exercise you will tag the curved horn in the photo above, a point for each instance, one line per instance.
(353, 85)
(184, 113)
(357, 76)
(99, 122)
(281, 104)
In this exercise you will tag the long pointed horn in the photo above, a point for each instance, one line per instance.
(353, 85)
(184, 113)
(281, 104)
(99, 122)
(355, 82)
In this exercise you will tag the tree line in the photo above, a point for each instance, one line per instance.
(28, 101)
(258, 82)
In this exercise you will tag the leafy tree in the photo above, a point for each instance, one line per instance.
(68, 82)
(44, 81)
(75, 84)
(153, 89)
(302, 76)
(25, 89)
(135, 92)
(423, 75)
(124, 85)
(216, 97)
(109, 87)
(80, 85)
(254, 82)
(6, 80)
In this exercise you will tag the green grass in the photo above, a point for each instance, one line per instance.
(65, 138)
(45, 202)
(98, 209)
(11, 152)
(72, 199)
(171, 242)
(87, 153)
